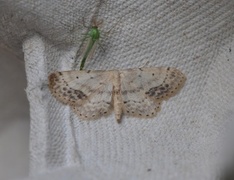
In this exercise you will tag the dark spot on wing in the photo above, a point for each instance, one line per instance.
(129, 91)
(157, 91)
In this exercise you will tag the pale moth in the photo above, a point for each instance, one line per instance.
(134, 92)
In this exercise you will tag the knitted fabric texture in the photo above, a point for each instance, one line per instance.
(183, 140)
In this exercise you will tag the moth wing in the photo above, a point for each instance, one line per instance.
(89, 93)
(144, 89)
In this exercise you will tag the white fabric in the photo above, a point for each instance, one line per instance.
(183, 141)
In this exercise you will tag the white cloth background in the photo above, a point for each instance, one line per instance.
(183, 141)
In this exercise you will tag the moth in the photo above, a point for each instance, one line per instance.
(133, 92)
